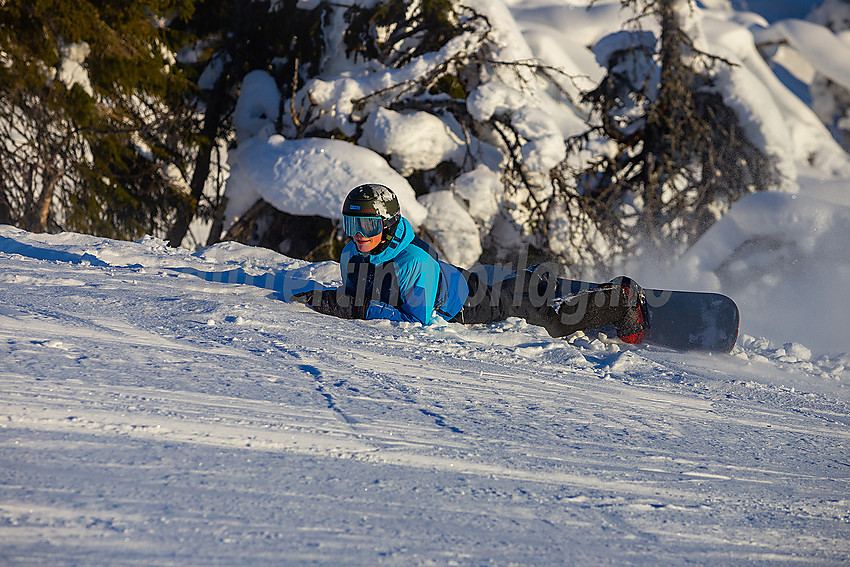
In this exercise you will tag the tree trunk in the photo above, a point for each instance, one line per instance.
(37, 218)
(218, 223)
(5, 210)
(213, 119)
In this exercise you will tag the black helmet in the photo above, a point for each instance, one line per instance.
(371, 200)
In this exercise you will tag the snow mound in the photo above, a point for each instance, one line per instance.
(415, 140)
(479, 189)
(258, 106)
(452, 227)
(310, 177)
(784, 259)
(816, 43)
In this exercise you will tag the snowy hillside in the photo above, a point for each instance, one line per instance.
(149, 417)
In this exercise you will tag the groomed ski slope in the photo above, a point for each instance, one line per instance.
(149, 417)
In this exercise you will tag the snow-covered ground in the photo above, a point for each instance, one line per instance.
(149, 417)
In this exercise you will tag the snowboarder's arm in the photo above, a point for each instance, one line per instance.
(416, 307)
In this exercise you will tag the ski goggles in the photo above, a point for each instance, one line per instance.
(367, 226)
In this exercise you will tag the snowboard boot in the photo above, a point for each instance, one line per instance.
(632, 327)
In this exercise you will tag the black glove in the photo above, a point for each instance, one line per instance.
(332, 302)
(303, 297)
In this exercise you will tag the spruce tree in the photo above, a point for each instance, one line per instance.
(89, 115)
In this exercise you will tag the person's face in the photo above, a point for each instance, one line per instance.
(366, 245)
(365, 231)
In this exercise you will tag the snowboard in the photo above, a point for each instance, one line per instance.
(681, 320)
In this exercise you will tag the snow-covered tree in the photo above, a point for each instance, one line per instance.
(831, 100)
(492, 145)
(388, 75)
(232, 39)
(670, 156)
(454, 100)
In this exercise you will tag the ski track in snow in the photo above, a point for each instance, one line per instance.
(149, 417)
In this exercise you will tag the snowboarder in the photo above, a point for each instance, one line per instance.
(390, 273)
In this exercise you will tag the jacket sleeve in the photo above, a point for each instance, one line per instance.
(414, 309)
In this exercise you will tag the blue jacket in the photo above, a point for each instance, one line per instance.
(406, 281)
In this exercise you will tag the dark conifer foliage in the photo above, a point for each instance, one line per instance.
(408, 33)
(105, 157)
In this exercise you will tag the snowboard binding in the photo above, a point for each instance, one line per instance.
(632, 328)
